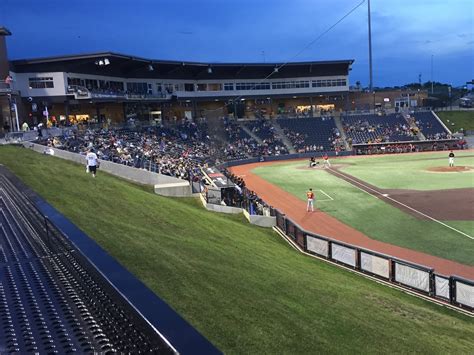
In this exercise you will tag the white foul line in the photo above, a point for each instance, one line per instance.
(400, 203)
(330, 198)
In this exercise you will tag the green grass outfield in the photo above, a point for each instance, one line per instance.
(455, 120)
(242, 286)
(372, 216)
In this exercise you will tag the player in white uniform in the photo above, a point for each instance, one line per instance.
(451, 159)
(327, 164)
(91, 159)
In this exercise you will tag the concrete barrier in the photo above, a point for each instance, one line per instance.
(259, 220)
(126, 172)
(177, 189)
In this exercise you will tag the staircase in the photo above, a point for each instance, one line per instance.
(338, 122)
(251, 134)
(282, 136)
(412, 122)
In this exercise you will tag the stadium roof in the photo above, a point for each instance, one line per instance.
(126, 66)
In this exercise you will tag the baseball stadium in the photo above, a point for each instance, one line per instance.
(157, 206)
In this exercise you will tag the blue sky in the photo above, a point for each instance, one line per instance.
(406, 33)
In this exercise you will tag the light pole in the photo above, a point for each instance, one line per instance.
(371, 84)
(373, 93)
(432, 74)
(450, 99)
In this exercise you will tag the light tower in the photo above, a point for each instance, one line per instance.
(371, 81)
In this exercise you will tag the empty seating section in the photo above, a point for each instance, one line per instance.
(310, 134)
(430, 126)
(376, 129)
(51, 299)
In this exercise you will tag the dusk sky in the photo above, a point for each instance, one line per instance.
(406, 33)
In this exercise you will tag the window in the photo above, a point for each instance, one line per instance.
(188, 87)
(290, 84)
(252, 86)
(169, 88)
(41, 83)
(228, 86)
(137, 88)
(328, 83)
(75, 81)
(179, 87)
(116, 85)
(214, 87)
(91, 84)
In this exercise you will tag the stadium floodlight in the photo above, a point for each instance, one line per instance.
(150, 67)
(101, 62)
(276, 69)
(106, 61)
(209, 70)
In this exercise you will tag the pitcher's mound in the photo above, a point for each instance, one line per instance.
(447, 169)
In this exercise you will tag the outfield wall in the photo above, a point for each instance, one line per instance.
(454, 290)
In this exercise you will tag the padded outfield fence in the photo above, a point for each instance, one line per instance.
(454, 290)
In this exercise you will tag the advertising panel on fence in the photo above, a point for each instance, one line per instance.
(317, 246)
(290, 229)
(465, 294)
(375, 264)
(412, 277)
(343, 254)
(280, 221)
(441, 287)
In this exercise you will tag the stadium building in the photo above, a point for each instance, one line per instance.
(107, 86)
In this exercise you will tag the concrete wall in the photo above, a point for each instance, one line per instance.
(126, 172)
(22, 84)
(262, 221)
(177, 189)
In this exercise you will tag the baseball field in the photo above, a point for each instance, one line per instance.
(241, 286)
(412, 201)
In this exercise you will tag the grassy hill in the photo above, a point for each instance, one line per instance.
(455, 120)
(240, 285)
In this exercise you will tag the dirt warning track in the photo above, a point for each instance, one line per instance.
(323, 224)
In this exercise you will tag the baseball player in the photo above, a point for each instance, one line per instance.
(310, 197)
(451, 159)
(327, 164)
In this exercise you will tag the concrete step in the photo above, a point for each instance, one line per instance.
(338, 122)
(282, 136)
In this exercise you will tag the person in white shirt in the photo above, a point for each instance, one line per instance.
(91, 159)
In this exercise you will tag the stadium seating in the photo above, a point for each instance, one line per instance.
(429, 125)
(305, 132)
(263, 129)
(375, 129)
